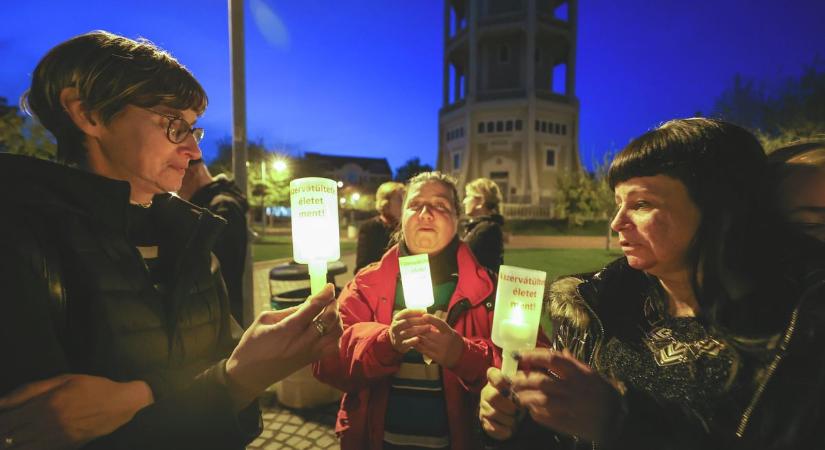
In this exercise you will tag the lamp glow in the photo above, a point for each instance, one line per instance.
(416, 281)
(315, 232)
(517, 313)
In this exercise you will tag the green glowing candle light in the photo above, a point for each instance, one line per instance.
(517, 313)
(315, 231)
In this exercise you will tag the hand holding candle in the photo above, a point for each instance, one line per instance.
(518, 309)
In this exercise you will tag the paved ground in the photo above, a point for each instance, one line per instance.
(561, 242)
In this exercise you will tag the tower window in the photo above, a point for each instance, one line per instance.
(518, 125)
(544, 127)
(550, 158)
(550, 127)
(558, 129)
(456, 161)
(509, 125)
(499, 126)
(490, 127)
(503, 54)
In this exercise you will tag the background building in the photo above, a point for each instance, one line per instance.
(509, 110)
(365, 173)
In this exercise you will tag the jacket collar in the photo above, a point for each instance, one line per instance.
(58, 188)
(474, 282)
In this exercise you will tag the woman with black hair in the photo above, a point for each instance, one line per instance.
(693, 338)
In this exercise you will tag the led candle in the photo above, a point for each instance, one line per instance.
(416, 281)
(518, 310)
(315, 231)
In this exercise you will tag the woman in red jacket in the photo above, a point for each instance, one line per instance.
(412, 378)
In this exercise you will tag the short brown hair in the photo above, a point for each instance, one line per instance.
(443, 178)
(109, 72)
(385, 191)
(488, 190)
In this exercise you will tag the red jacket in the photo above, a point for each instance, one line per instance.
(366, 359)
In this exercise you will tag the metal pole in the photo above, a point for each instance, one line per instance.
(238, 81)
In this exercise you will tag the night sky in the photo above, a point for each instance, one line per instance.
(363, 77)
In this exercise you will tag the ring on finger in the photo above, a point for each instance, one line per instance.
(320, 327)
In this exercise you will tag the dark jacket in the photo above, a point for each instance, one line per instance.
(374, 237)
(484, 236)
(775, 403)
(77, 298)
(224, 198)
(367, 359)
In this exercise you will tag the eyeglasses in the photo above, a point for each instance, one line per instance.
(178, 129)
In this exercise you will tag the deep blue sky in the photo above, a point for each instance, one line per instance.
(363, 77)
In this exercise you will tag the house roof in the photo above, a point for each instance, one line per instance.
(378, 166)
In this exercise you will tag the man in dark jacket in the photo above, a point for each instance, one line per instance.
(114, 322)
(223, 197)
(375, 235)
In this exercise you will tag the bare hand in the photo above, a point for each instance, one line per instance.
(497, 411)
(441, 343)
(405, 329)
(68, 411)
(567, 395)
(280, 342)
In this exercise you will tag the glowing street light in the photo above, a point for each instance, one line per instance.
(518, 310)
(279, 165)
(315, 232)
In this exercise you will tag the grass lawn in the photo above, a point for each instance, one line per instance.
(277, 247)
(560, 261)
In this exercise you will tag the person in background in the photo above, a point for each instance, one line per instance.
(411, 378)
(706, 334)
(482, 232)
(115, 329)
(223, 197)
(799, 172)
(375, 234)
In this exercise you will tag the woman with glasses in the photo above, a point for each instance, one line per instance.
(115, 330)
(411, 377)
